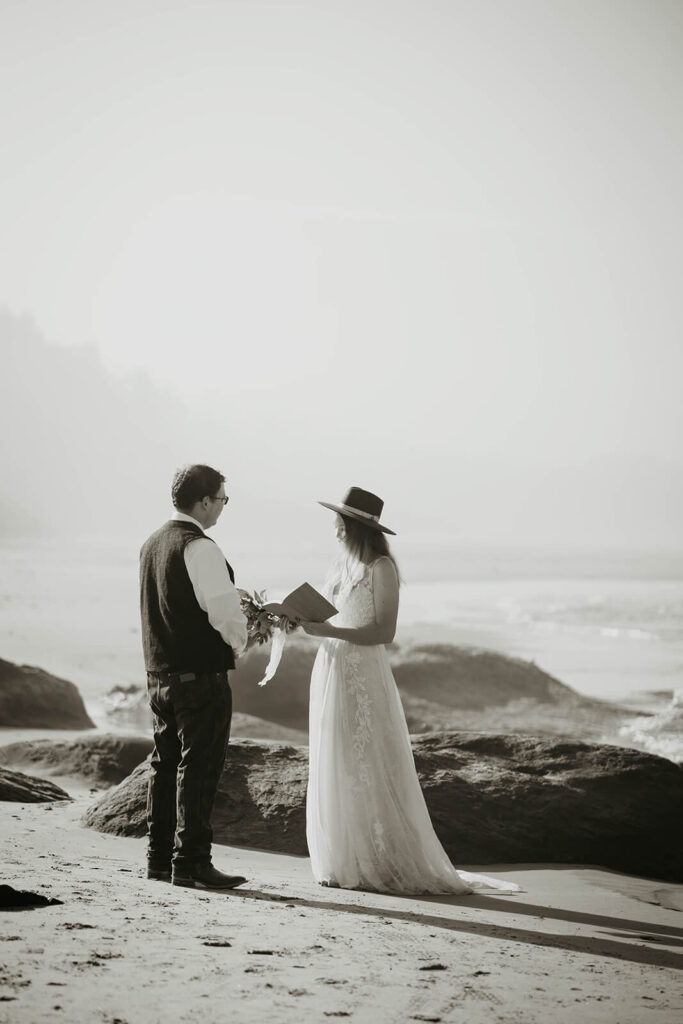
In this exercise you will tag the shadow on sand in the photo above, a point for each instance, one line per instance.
(590, 945)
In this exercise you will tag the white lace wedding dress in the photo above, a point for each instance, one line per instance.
(367, 823)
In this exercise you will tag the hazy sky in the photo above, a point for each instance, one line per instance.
(416, 233)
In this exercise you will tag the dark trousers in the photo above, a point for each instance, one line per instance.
(192, 715)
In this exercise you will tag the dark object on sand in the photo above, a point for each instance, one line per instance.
(493, 798)
(33, 699)
(11, 898)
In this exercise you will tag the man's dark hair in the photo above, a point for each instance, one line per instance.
(192, 483)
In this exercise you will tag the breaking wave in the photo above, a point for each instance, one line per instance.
(661, 733)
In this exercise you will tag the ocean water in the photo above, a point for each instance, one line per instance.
(606, 638)
(609, 625)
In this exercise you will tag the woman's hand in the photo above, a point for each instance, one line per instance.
(317, 628)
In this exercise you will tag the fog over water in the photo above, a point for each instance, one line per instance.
(431, 249)
(92, 454)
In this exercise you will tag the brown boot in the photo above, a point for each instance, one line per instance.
(205, 876)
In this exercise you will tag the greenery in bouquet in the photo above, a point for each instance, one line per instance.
(260, 622)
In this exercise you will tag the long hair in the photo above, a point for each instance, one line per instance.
(365, 543)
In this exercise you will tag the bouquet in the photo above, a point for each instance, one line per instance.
(260, 622)
(262, 626)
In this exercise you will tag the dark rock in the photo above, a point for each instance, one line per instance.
(25, 789)
(31, 698)
(466, 678)
(524, 798)
(105, 759)
(260, 802)
(492, 798)
(20, 898)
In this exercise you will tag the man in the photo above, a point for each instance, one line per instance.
(193, 628)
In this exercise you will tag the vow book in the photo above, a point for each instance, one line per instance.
(304, 603)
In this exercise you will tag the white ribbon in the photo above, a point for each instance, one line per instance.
(277, 647)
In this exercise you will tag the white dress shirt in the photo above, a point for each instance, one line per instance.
(214, 590)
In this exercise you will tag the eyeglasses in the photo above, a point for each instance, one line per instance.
(225, 500)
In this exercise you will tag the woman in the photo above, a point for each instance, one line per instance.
(367, 823)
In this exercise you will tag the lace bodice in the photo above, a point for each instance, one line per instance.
(350, 591)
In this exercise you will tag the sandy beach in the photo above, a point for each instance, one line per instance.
(578, 944)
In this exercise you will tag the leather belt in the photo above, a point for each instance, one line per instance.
(186, 677)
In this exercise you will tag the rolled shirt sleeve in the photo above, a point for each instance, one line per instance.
(216, 593)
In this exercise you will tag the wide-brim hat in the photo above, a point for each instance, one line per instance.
(362, 505)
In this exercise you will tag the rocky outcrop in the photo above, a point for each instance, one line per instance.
(442, 687)
(31, 698)
(493, 799)
(25, 789)
(102, 759)
(471, 679)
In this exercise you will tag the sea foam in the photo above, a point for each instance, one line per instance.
(660, 733)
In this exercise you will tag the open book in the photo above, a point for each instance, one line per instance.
(304, 603)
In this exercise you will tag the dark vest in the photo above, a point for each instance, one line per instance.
(176, 634)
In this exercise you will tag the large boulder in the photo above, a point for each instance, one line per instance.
(102, 759)
(25, 789)
(261, 799)
(33, 699)
(493, 799)
(526, 798)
